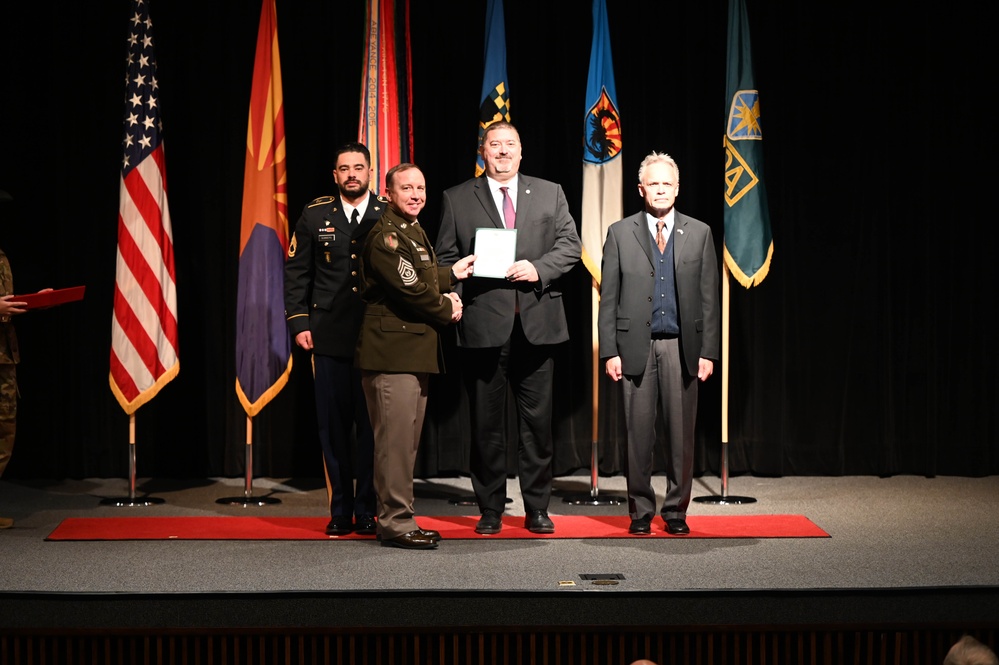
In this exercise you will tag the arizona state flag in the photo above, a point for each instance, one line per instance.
(495, 92)
(263, 347)
(602, 169)
(748, 240)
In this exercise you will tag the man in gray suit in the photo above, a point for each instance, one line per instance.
(510, 326)
(659, 333)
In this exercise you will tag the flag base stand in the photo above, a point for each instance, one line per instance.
(594, 498)
(131, 499)
(724, 499)
(248, 499)
(469, 501)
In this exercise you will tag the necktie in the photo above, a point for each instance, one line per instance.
(509, 216)
(353, 217)
(660, 238)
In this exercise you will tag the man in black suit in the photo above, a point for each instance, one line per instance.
(510, 326)
(324, 310)
(659, 332)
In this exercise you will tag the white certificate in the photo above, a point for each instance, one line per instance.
(495, 251)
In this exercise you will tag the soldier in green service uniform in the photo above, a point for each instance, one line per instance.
(408, 298)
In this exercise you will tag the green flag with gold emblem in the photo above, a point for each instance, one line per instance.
(748, 241)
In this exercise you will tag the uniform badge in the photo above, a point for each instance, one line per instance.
(322, 200)
(391, 241)
(293, 247)
(407, 272)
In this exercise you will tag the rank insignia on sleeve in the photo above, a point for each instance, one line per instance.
(407, 272)
(391, 241)
(293, 247)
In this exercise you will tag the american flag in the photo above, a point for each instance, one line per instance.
(144, 327)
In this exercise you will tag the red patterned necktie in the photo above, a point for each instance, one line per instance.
(509, 216)
(660, 238)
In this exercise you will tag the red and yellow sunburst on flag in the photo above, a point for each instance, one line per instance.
(263, 346)
(603, 139)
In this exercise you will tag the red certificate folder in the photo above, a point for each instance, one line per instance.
(50, 298)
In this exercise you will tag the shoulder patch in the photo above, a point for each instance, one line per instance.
(322, 200)
(293, 247)
(391, 240)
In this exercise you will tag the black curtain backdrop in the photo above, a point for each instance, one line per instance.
(867, 351)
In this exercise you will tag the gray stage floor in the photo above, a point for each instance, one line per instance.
(886, 533)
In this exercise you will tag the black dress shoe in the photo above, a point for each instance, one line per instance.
(490, 522)
(365, 525)
(414, 540)
(431, 534)
(677, 526)
(642, 526)
(537, 521)
(339, 526)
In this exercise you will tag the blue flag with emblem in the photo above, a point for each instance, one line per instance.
(602, 170)
(495, 91)
(748, 240)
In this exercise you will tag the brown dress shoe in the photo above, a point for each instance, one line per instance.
(431, 534)
(414, 540)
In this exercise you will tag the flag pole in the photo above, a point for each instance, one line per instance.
(131, 499)
(594, 498)
(248, 499)
(724, 498)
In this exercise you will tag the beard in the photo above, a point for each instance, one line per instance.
(353, 188)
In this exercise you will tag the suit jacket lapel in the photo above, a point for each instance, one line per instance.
(486, 199)
(679, 236)
(524, 198)
(642, 235)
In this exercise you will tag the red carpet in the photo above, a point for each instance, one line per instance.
(460, 527)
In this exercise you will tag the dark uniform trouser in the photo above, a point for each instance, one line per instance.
(340, 407)
(397, 404)
(665, 382)
(8, 412)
